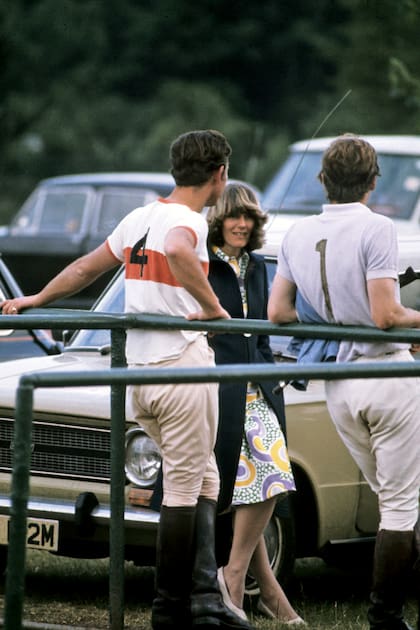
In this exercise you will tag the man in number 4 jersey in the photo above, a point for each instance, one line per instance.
(164, 249)
(344, 263)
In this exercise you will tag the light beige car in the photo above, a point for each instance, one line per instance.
(333, 509)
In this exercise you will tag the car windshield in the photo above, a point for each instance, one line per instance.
(111, 301)
(115, 204)
(297, 190)
(51, 210)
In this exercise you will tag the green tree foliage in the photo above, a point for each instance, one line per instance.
(89, 85)
(378, 36)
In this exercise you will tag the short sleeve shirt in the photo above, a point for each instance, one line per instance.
(150, 287)
(331, 256)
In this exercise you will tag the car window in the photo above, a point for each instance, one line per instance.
(51, 210)
(62, 213)
(398, 187)
(115, 204)
(296, 188)
(25, 218)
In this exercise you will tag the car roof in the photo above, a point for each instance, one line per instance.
(409, 145)
(109, 179)
(126, 179)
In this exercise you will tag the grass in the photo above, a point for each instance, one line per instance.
(75, 593)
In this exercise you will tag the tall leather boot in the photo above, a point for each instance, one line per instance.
(207, 607)
(393, 562)
(174, 554)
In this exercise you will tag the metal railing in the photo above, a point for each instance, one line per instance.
(118, 377)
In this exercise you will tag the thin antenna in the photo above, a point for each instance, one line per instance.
(330, 113)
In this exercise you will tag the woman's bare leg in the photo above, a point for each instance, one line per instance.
(248, 524)
(271, 593)
(249, 551)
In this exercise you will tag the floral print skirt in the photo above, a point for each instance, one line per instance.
(264, 469)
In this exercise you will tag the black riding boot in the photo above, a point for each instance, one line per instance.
(392, 567)
(207, 607)
(174, 552)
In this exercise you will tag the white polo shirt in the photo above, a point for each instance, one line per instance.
(150, 287)
(331, 256)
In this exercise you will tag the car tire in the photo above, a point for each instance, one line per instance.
(280, 540)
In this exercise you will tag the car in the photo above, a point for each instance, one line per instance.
(68, 216)
(333, 509)
(295, 191)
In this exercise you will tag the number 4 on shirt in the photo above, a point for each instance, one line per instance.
(139, 258)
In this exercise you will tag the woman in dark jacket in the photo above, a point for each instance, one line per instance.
(250, 449)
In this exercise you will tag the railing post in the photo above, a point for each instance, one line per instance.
(15, 578)
(117, 541)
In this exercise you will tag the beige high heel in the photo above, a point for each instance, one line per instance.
(226, 597)
(297, 621)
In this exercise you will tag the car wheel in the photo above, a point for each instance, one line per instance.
(280, 541)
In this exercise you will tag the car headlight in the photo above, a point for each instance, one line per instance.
(142, 458)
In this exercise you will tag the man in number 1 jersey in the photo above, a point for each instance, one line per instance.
(344, 264)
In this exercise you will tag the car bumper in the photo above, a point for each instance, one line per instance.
(81, 527)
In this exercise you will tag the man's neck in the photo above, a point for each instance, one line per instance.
(363, 200)
(192, 196)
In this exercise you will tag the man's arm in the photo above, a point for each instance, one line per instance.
(187, 269)
(75, 277)
(385, 311)
(281, 303)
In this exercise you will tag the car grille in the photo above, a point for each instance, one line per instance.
(61, 451)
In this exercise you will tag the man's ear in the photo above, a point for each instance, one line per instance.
(373, 184)
(223, 172)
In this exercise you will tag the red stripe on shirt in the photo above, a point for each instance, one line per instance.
(152, 267)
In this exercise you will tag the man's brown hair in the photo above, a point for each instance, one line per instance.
(195, 156)
(349, 167)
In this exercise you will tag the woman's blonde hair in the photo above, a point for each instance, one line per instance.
(237, 199)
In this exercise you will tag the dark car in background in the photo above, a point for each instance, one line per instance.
(68, 216)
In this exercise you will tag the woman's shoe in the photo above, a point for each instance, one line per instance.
(297, 621)
(226, 597)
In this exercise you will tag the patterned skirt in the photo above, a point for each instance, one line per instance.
(264, 469)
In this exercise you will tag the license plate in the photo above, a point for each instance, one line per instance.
(41, 533)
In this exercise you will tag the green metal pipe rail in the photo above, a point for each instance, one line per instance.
(118, 378)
